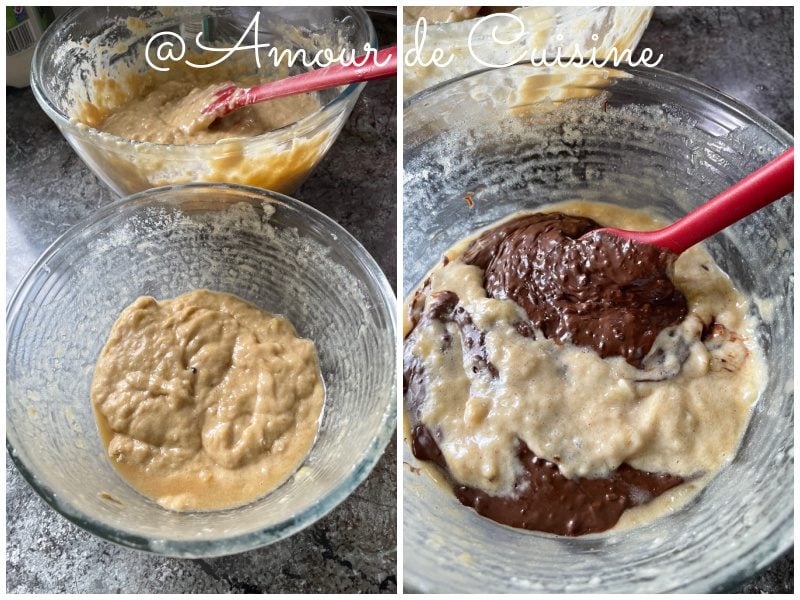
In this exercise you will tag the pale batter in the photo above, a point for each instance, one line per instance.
(206, 402)
(486, 382)
(158, 135)
(470, 45)
(171, 113)
(439, 14)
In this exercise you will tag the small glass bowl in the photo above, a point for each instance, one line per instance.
(92, 44)
(268, 249)
(483, 146)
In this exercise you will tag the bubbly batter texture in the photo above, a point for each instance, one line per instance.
(594, 290)
(206, 402)
(161, 137)
(561, 378)
(439, 14)
(171, 114)
(506, 40)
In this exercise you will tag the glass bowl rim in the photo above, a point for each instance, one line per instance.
(62, 121)
(779, 538)
(263, 536)
(651, 74)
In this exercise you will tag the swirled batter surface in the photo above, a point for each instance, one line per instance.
(171, 113)
(595, 290)
(206, 402)
(561, 378)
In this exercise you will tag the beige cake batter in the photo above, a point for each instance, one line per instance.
(271, 145)
(682, 415)
(171, 114)
(206, 402)
(470, 45)
(439, 14)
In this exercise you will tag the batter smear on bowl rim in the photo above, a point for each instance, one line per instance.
(564, 379)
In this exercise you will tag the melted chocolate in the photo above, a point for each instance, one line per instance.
(545, 500)
(600, 291)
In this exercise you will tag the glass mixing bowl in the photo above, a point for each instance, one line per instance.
(268, 249)
(521, 137)
(88, 47)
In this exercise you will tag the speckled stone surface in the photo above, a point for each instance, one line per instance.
(353, 549)
(748, 54)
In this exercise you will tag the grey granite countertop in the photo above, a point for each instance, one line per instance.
(352, 549)
(746, 52)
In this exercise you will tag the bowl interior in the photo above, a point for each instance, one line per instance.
(90, 45)
(269, 250)
(95, 58)
(524, 137)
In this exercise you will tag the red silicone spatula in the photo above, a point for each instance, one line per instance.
(771, 182)
(384, 64)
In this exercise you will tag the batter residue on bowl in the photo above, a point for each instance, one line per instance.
(561, 378)
(174, 143)
(171, 113)
(206, 402)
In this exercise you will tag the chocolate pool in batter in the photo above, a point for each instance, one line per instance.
(561, 377)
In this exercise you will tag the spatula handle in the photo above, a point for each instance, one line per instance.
(384, 64)
(771, 182)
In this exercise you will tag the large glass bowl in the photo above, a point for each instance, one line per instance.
(522, 137)
(268, 249)
(88, 46)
